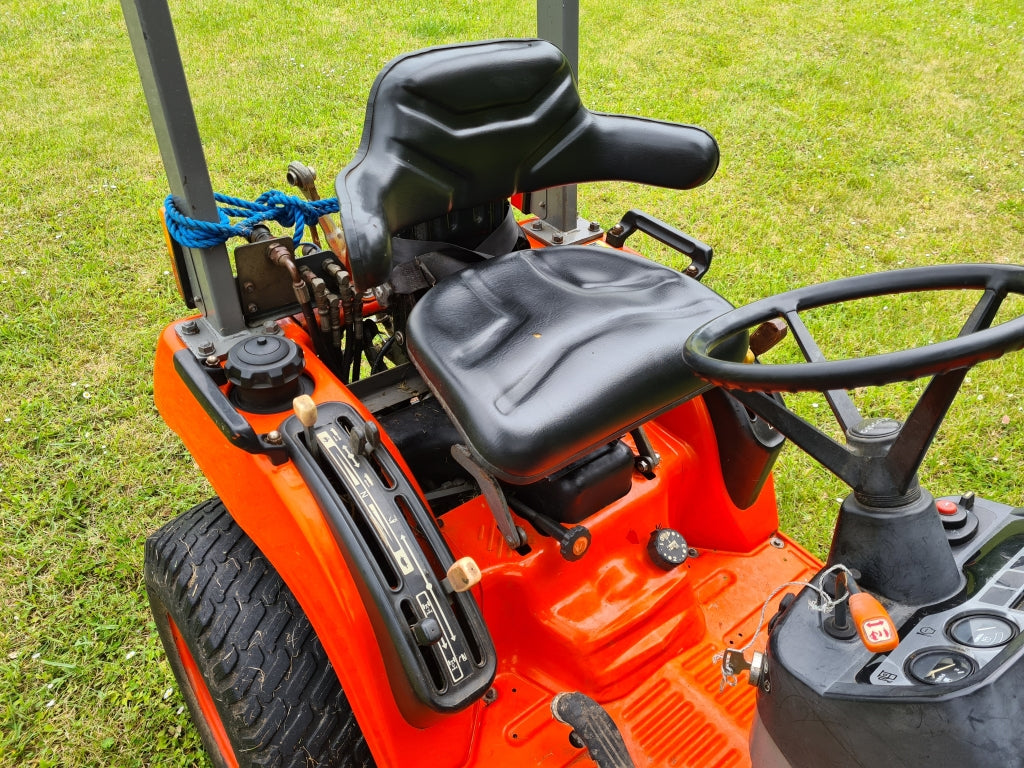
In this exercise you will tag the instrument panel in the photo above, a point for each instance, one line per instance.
(957, 641)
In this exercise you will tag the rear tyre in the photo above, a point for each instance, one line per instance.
(250, 667)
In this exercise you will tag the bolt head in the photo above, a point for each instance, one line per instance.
(207, 348)
(557, 239)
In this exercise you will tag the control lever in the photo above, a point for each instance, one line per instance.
(305, 410)
(462, 576)
(838, 623)
(302, 176)
(573, 543)
(856, 613)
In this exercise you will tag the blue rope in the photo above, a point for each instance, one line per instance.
(286, 210)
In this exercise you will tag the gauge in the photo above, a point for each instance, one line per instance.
(940, 666)
(982, 631)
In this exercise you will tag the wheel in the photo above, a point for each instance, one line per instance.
(256, 679)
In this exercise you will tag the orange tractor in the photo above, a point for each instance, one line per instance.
(495, 490)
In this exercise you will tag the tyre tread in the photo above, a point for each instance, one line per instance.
(275, 688)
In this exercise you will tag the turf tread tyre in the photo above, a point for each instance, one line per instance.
(272, 684)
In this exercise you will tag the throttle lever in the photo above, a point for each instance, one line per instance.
(767, 335)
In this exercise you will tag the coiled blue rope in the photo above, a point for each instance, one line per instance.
(286, 210)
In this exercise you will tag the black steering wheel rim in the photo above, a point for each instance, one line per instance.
(972, 346)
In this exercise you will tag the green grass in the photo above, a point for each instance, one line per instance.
(855, 136)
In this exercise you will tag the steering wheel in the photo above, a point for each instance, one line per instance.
(976, 342)
(881, 462)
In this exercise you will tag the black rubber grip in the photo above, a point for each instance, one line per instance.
(594, 727)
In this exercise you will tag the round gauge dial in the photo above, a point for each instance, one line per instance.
(940, 667)
(982, 631)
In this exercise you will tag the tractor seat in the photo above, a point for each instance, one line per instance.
(540, 356)
(456, 127)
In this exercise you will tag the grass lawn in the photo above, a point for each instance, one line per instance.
(855, 136)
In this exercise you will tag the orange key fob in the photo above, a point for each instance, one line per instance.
(875, 627)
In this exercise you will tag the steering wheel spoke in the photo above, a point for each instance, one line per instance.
(909, 449)
(843, 408)
(984, 312)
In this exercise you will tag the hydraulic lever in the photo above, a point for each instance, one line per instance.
(573, 543)
(302, 176)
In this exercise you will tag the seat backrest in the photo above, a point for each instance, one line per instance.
(458, 126)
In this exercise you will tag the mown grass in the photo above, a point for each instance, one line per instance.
(855, 136)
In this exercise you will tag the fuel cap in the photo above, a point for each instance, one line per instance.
(265, 372)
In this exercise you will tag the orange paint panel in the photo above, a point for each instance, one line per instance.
(613, 625)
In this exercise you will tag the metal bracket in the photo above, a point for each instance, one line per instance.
(514, 536)
(585, 232)
(204, 341)
(647, 458)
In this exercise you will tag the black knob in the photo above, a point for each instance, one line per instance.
(573, 543)
(265, 372)
(667, 548)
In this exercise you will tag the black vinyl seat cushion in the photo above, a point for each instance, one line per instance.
(540, 356)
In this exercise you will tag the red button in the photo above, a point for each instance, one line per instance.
(947, 507)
